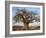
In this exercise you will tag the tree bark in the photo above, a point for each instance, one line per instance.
(26, 26)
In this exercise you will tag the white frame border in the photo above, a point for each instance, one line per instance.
(23, 32)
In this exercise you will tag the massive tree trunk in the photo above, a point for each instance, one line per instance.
(26, 26)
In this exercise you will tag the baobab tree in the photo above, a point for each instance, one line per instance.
(25, 16)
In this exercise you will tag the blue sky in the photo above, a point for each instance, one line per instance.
(35, 10)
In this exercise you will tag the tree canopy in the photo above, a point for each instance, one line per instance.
(25, 16)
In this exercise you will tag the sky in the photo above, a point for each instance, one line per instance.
(34, 9)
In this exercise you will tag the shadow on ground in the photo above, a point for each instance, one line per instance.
(20, 28)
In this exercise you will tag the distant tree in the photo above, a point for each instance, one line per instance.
(25, 17)
(37, 18)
